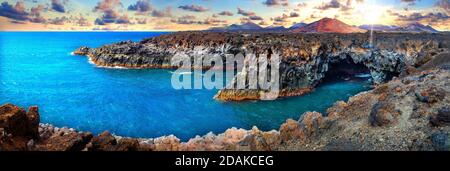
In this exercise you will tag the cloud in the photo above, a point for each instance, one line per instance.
(430, 18)
(141, 6)
(444, 4)
(58, 6)
(214, 21)
(226, 13)
(111, 16)
(190, 19)
(186, 19)
(58, 21)
(271, 3)
(141, 20)
(38, 19)
(294, 14)
(167, 12)
(16, 12)
(282, 18)
(263, 23)
(193, 8)
(329, 5)
(245, 13)
(106, 5)
(36, 11)
(81, 21)
(409, 2)
(254, 17)
(302, 4)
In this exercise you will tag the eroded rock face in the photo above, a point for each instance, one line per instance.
(305, 58)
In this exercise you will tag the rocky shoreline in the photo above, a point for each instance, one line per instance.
(407, 113)
(408, 109)
(305, 58)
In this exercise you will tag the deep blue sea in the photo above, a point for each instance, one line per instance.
(36, 68)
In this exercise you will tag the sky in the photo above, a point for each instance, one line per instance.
(177, 15)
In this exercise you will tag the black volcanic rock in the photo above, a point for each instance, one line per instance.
(305, 58)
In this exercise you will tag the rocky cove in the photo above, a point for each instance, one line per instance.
(408, 112)
(305, 58)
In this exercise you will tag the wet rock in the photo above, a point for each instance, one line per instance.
(442, 118)
(383, 114)
(82, 51)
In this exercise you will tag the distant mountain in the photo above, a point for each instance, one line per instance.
(249, 26)
(328, 25)
(275, 28)
(413, 27)
(378, 27)
(417, 27)
(296, 26)
(245, 26)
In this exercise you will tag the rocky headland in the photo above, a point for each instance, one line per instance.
(306, 59)
(408, 113)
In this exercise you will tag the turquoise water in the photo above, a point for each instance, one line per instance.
(37, 69)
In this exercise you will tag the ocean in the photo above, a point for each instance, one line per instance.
(37, 68)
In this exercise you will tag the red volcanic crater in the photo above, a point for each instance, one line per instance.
(328, 25)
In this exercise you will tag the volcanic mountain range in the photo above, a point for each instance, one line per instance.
(326, 25)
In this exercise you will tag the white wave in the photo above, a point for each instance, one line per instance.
(363, 75)
(181, 73)
(108, 67)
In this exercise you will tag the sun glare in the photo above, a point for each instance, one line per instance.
(370, 14)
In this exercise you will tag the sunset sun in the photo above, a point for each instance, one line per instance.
(370, 14)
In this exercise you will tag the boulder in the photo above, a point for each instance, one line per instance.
(82, 51)
(442, 118)
(65, 142)
(382, 114)
(13, 120)
(290, 130)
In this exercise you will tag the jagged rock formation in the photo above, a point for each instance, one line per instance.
(306, 58)
(407, 113)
